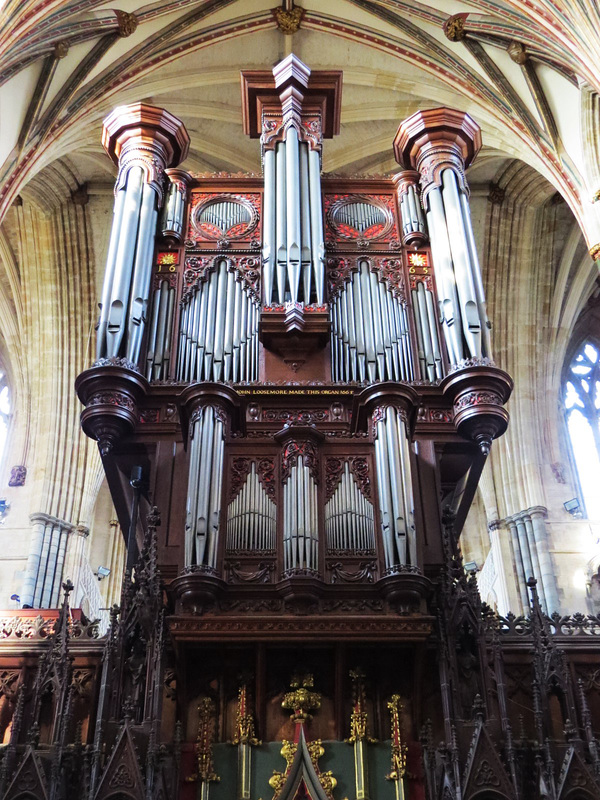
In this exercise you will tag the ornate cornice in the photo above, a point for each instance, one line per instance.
(434, 140)
(145, 136)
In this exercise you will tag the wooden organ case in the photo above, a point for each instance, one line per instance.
(300, 365)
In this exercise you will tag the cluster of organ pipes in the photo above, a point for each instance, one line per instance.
(349, 521)
(370, 337)
(158, 352)
(300, 520)
(411, 213)
(392, 455)
(224, 215)
(173, 213)
(218, 330)
(293, 242)
(459, 282)
(205, 482)
(251, 517)
(126, 289)
(428, 343)
(360, 216)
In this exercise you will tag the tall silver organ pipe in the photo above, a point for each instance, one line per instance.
(394, 480)
(294, 246)
(460, 288)
(349, 525)
(172, 218)
(428, 344)
(316, 222)
(269, 246)
(218, 330)
(251, 518)
(370, 337)
(203, 508)
(142, 274)
(300, 519)
(128, 268)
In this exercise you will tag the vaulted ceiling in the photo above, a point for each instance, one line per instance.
(520, 67)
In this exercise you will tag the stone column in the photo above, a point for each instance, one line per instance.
(142, 140)
(75, 556)
(500, 585)
(538, 516)
(519, 563)
(116, 563)
(45, 564)
(440, 144)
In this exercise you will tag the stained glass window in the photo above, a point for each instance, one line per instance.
(582, 404)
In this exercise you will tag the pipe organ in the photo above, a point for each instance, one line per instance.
(299, 366)
(247, 279)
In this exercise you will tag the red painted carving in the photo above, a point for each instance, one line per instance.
(334, 468)
(359, 468)
(292, 451)
(338, 228)
(477, 399)
(204, 231)
(265, 468)
(304, 417)
(196, 270)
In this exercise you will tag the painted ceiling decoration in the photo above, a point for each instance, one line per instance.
(520, 67)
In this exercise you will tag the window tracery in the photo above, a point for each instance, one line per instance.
(582, 406)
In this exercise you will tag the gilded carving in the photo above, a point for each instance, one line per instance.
(301, 700)
(454, 27)
(127, 23)
(288, 21)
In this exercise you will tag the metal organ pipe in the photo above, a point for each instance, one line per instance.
(476, 272)
(281, 220)
(107, 287)
(142, 273)
(369, 331)
(305, 250)
(203, 506)
(316, 222)
(394, 480)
